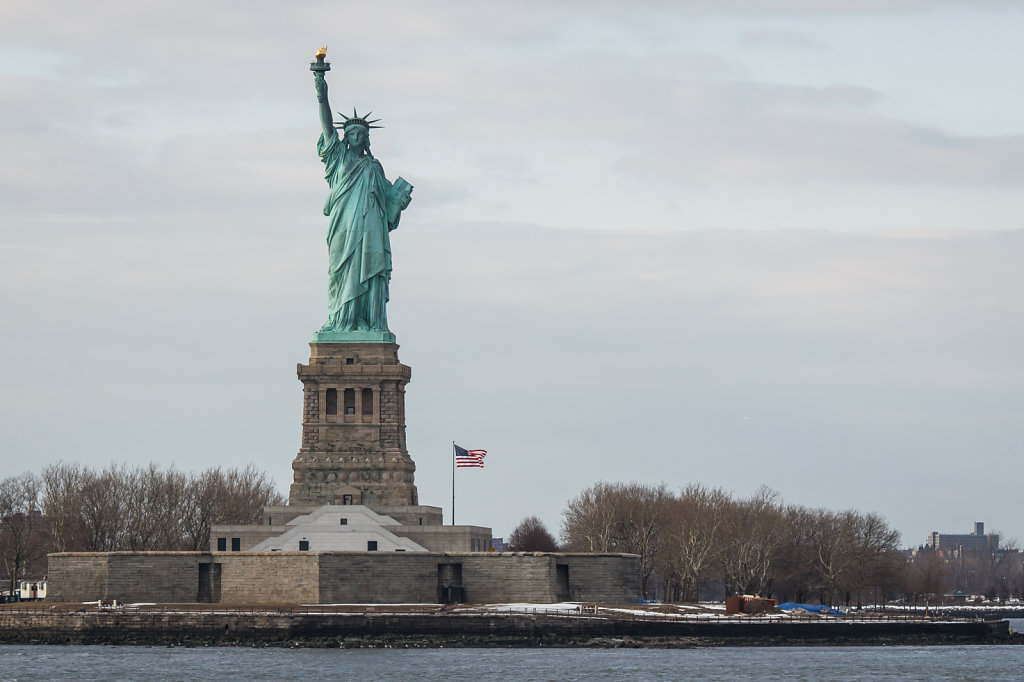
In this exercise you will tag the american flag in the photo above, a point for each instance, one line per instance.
(469, 458)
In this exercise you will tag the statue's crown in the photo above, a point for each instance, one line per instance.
(356, 120)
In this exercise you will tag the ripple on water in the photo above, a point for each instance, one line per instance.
(1000, 662)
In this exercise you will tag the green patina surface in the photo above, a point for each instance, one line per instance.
(363, 208)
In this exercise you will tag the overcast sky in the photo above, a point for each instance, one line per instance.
(734, 242)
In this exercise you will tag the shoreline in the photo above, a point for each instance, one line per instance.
(169, 626)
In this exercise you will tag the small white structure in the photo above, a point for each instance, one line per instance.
(31, 590)
(339, 528)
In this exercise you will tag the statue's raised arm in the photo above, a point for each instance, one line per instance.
(319, 69)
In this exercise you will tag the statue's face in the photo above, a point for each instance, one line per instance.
(355, 137)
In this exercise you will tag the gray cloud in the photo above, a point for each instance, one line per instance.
(778, 38)
(749, 132)
(209, 112)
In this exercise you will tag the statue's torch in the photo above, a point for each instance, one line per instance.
(320, 66)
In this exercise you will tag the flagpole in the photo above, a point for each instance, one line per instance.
(453, 483)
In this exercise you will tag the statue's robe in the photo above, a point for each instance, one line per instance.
(358, 242)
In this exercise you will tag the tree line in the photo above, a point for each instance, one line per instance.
(72, 508)
(703, 543)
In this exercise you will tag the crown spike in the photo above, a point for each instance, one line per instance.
(356, 119)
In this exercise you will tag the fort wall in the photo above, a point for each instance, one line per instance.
(342, 577)
(126, 576)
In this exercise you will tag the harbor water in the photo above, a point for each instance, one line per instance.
(36, 662)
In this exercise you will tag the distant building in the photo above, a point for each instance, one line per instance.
(977, 541)
(499, 545)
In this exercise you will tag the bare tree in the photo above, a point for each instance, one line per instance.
(644, 511)
(834, 535)
(103, 508)
(692, 539)
(928, 574)
(753, 531)
(795, 574)
(531, 535)
(154, 506)
(204, 491)
(23, 540)
(1011, 570)
(246, 491)
(62, 506)
(874, 543)
(619, 517)
(590, 522)
(217, 496)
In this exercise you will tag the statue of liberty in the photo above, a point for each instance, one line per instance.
(363, 208)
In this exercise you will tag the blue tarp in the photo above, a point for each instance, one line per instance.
(810, 608)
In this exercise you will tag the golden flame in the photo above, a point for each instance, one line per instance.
(321, 53)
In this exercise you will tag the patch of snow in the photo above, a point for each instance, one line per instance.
(562, 606)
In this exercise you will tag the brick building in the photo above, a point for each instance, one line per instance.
(977, 541)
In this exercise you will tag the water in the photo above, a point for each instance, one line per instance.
(723, 663)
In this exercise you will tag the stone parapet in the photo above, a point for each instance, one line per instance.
(420, 515)
(447, 538)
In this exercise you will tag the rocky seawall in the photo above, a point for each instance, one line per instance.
(984, 612)
(228, 628)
